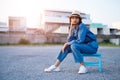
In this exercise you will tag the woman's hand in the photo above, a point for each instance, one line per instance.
(64, 46)
(70, 30)
(71, 27)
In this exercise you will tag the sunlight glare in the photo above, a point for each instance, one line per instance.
(32, 10)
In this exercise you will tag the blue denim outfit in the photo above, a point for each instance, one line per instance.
(82, 42)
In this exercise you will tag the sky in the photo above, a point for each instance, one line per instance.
(101, 11)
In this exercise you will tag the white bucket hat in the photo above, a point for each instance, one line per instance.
(75, 13)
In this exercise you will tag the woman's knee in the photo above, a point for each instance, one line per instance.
(73, 46)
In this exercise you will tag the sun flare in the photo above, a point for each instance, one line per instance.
(33, 13)
(31, 9)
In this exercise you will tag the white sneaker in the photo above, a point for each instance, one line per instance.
(52, 68)
(82, 70)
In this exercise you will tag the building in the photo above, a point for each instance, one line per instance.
(58, 21)
(3, 27)
(115, 31)
(99, 28)
(51, 21)
(17, 23)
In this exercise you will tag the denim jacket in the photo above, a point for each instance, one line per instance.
(83, 36)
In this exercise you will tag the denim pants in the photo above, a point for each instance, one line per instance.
(78, 50)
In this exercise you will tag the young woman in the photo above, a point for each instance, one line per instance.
(80, 41)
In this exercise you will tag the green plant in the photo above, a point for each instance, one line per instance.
(106, 41)
(23, 41)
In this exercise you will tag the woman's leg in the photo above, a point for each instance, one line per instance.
(57, 63)
(78, 51)
(62, 56)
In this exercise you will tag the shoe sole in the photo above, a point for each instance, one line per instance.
(52, 70)
(83, 73)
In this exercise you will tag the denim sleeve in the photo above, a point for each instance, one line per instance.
(70, 38)
(81, 35)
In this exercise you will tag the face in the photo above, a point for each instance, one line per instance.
(74, 20)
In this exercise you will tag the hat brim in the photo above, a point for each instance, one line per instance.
(74, 15)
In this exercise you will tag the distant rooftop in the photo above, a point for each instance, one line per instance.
(63, 11)
(97, 25)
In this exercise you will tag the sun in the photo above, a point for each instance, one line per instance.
(30, 9)
(34, 18)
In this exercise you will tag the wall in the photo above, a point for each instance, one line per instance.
(106, 31)
(14, 38)
(115, 41)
